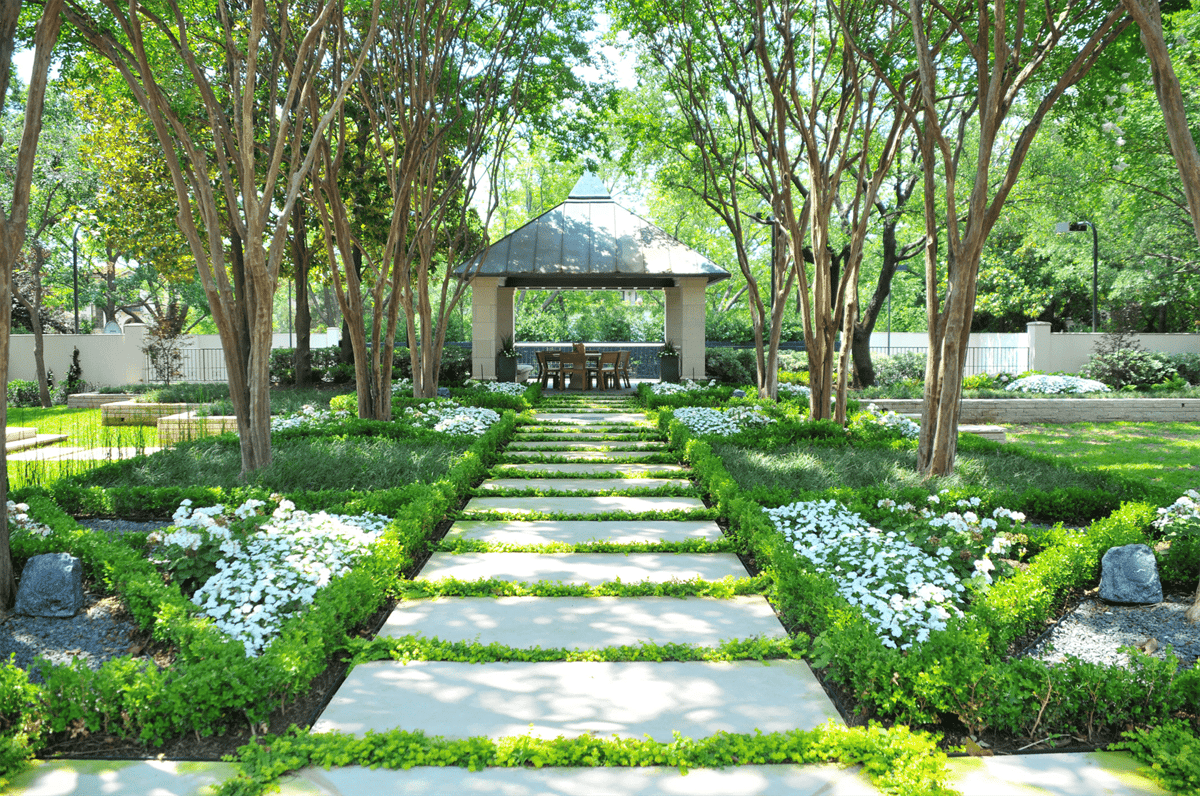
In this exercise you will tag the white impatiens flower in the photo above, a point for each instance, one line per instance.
(721, 422)
(501, 387)
(1052, 385)
(307, 415)
(687, 386)
(19, 520)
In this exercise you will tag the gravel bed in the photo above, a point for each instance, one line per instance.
(1095, 631)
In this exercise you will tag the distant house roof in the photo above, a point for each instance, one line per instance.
(590, 241)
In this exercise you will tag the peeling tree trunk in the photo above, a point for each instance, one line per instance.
(301, 260)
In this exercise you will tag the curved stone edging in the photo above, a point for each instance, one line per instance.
(1059, 410)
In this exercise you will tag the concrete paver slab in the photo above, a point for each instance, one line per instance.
(658, 781)
(581, 505)
(582, 456)
(586, 418)
(95, 777)
(586, 445)
(579, 568)
(67, 453)
(612, 485)
(589, 468)
(522, 532)
(576, 430)
(632, 699)
(585, 622)
(1056, 774)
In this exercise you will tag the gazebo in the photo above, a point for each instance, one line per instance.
(589, 242)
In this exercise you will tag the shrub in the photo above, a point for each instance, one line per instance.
(1187, 365)
(1124, 367)
(731, 365)
(23, 393)
(899, 368)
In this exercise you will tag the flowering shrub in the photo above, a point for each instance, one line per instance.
(794, 391)
(1053, 385)
(263, 568)
(907, 582)
(1179, 525)
(308, 415)
(502, 387)
(404, 386)
(671, 388)
(721, 422)
(886, 423)
(451, 418)
(19, 519)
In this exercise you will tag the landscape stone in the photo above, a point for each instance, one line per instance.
(51, 585)
(739, 393)
(1129, 574)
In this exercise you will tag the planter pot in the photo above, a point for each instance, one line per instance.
(506, 368)
(668, 369)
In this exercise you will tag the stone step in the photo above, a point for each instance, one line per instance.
(996, 433)
(586, 418)
(582, 435)
(18, 433)
(580, 505)
(585, 468)
(580, 456)
(586, 445)
(80, 454)
(601, 429)
(585, 623)
(519, 532)
(546, 700)
(611, 485)
(36, 441)
(581, 568)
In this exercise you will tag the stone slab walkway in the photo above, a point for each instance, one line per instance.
(579, 505)
(519, 532)
(581, 568)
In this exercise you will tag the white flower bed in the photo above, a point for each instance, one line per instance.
(903, 591)
(402, 386)
(794, 391)
(1185, 509)
(502, 387)
(272, 572)
(889, 419)
(450, 418)
(1054, 385)
(19, 519)
(671, 388)
(721, 422)
(307, 415)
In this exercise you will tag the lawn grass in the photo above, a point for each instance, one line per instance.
(1165, 454)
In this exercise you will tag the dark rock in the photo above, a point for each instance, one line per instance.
(739, 393)
(51, 585)
(1129, 575)
(443, 392)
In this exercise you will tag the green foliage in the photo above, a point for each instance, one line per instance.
(736, 366)
(899, 368)
(23, 393)
(898, 760)
(1172, 751)
(1128, 367)
(20, 725)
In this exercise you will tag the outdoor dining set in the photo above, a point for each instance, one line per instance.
(580, 369)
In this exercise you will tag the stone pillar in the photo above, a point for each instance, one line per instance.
(1040, 346)
(484, 342)
(691, 339)
(673, 316)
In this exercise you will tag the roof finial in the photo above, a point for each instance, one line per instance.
(590, 188)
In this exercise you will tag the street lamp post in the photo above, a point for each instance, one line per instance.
(75, 271)
(1083, 226)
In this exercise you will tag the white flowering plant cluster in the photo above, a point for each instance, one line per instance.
(1055, 385)
(262, 568)
(686, 386)
(1184, 510)
(722, 422)
(449, 417)
(876, 422)
(1179, 546)
(501, 387)
(308, 416)
(793, 391)
(402, 387)
(19, 519)
(905, 589)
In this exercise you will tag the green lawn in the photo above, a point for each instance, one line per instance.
(1166, 454)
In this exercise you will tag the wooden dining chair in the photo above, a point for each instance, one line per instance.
(606, 370)
(550, 368)
(574, 365)
(623, 368)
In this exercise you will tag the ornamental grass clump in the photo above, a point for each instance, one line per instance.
(908, 581)
(721, 422)
(257, 570)
(1056, 385)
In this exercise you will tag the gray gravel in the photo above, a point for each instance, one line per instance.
(1096, 630)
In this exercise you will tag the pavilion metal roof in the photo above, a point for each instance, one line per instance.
(590, 241)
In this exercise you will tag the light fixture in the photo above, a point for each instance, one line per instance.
(1083, 226)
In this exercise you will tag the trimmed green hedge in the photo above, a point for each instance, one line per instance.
(212, 685)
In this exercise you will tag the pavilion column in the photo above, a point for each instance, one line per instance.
(683, 323)
(491, 319)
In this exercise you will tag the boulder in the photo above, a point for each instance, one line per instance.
(739, 393)
(51, 585)
(1129, 575)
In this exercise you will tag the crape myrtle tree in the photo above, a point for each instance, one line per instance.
(976, 61)
(229, 91)
(777, 105)
(444, 89)
(14, 214)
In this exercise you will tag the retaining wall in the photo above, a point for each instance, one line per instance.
(187, 425)
(132, 413)
(1060, 410)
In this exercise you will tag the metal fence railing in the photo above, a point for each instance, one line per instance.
(980, 359)
(199, 365)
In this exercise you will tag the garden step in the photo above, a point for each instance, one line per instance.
(79, 454)
(581, 456)
(546, 700)
(580, 505)
(616, 445)
(581, 568)
(585, 623)
(986, 431)
(602, 429)
(36, 441)
(17, 433)
(523, 532)
(795, 780)
(583, 418)
(584, 468)
(558, 433)
(611, 485)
